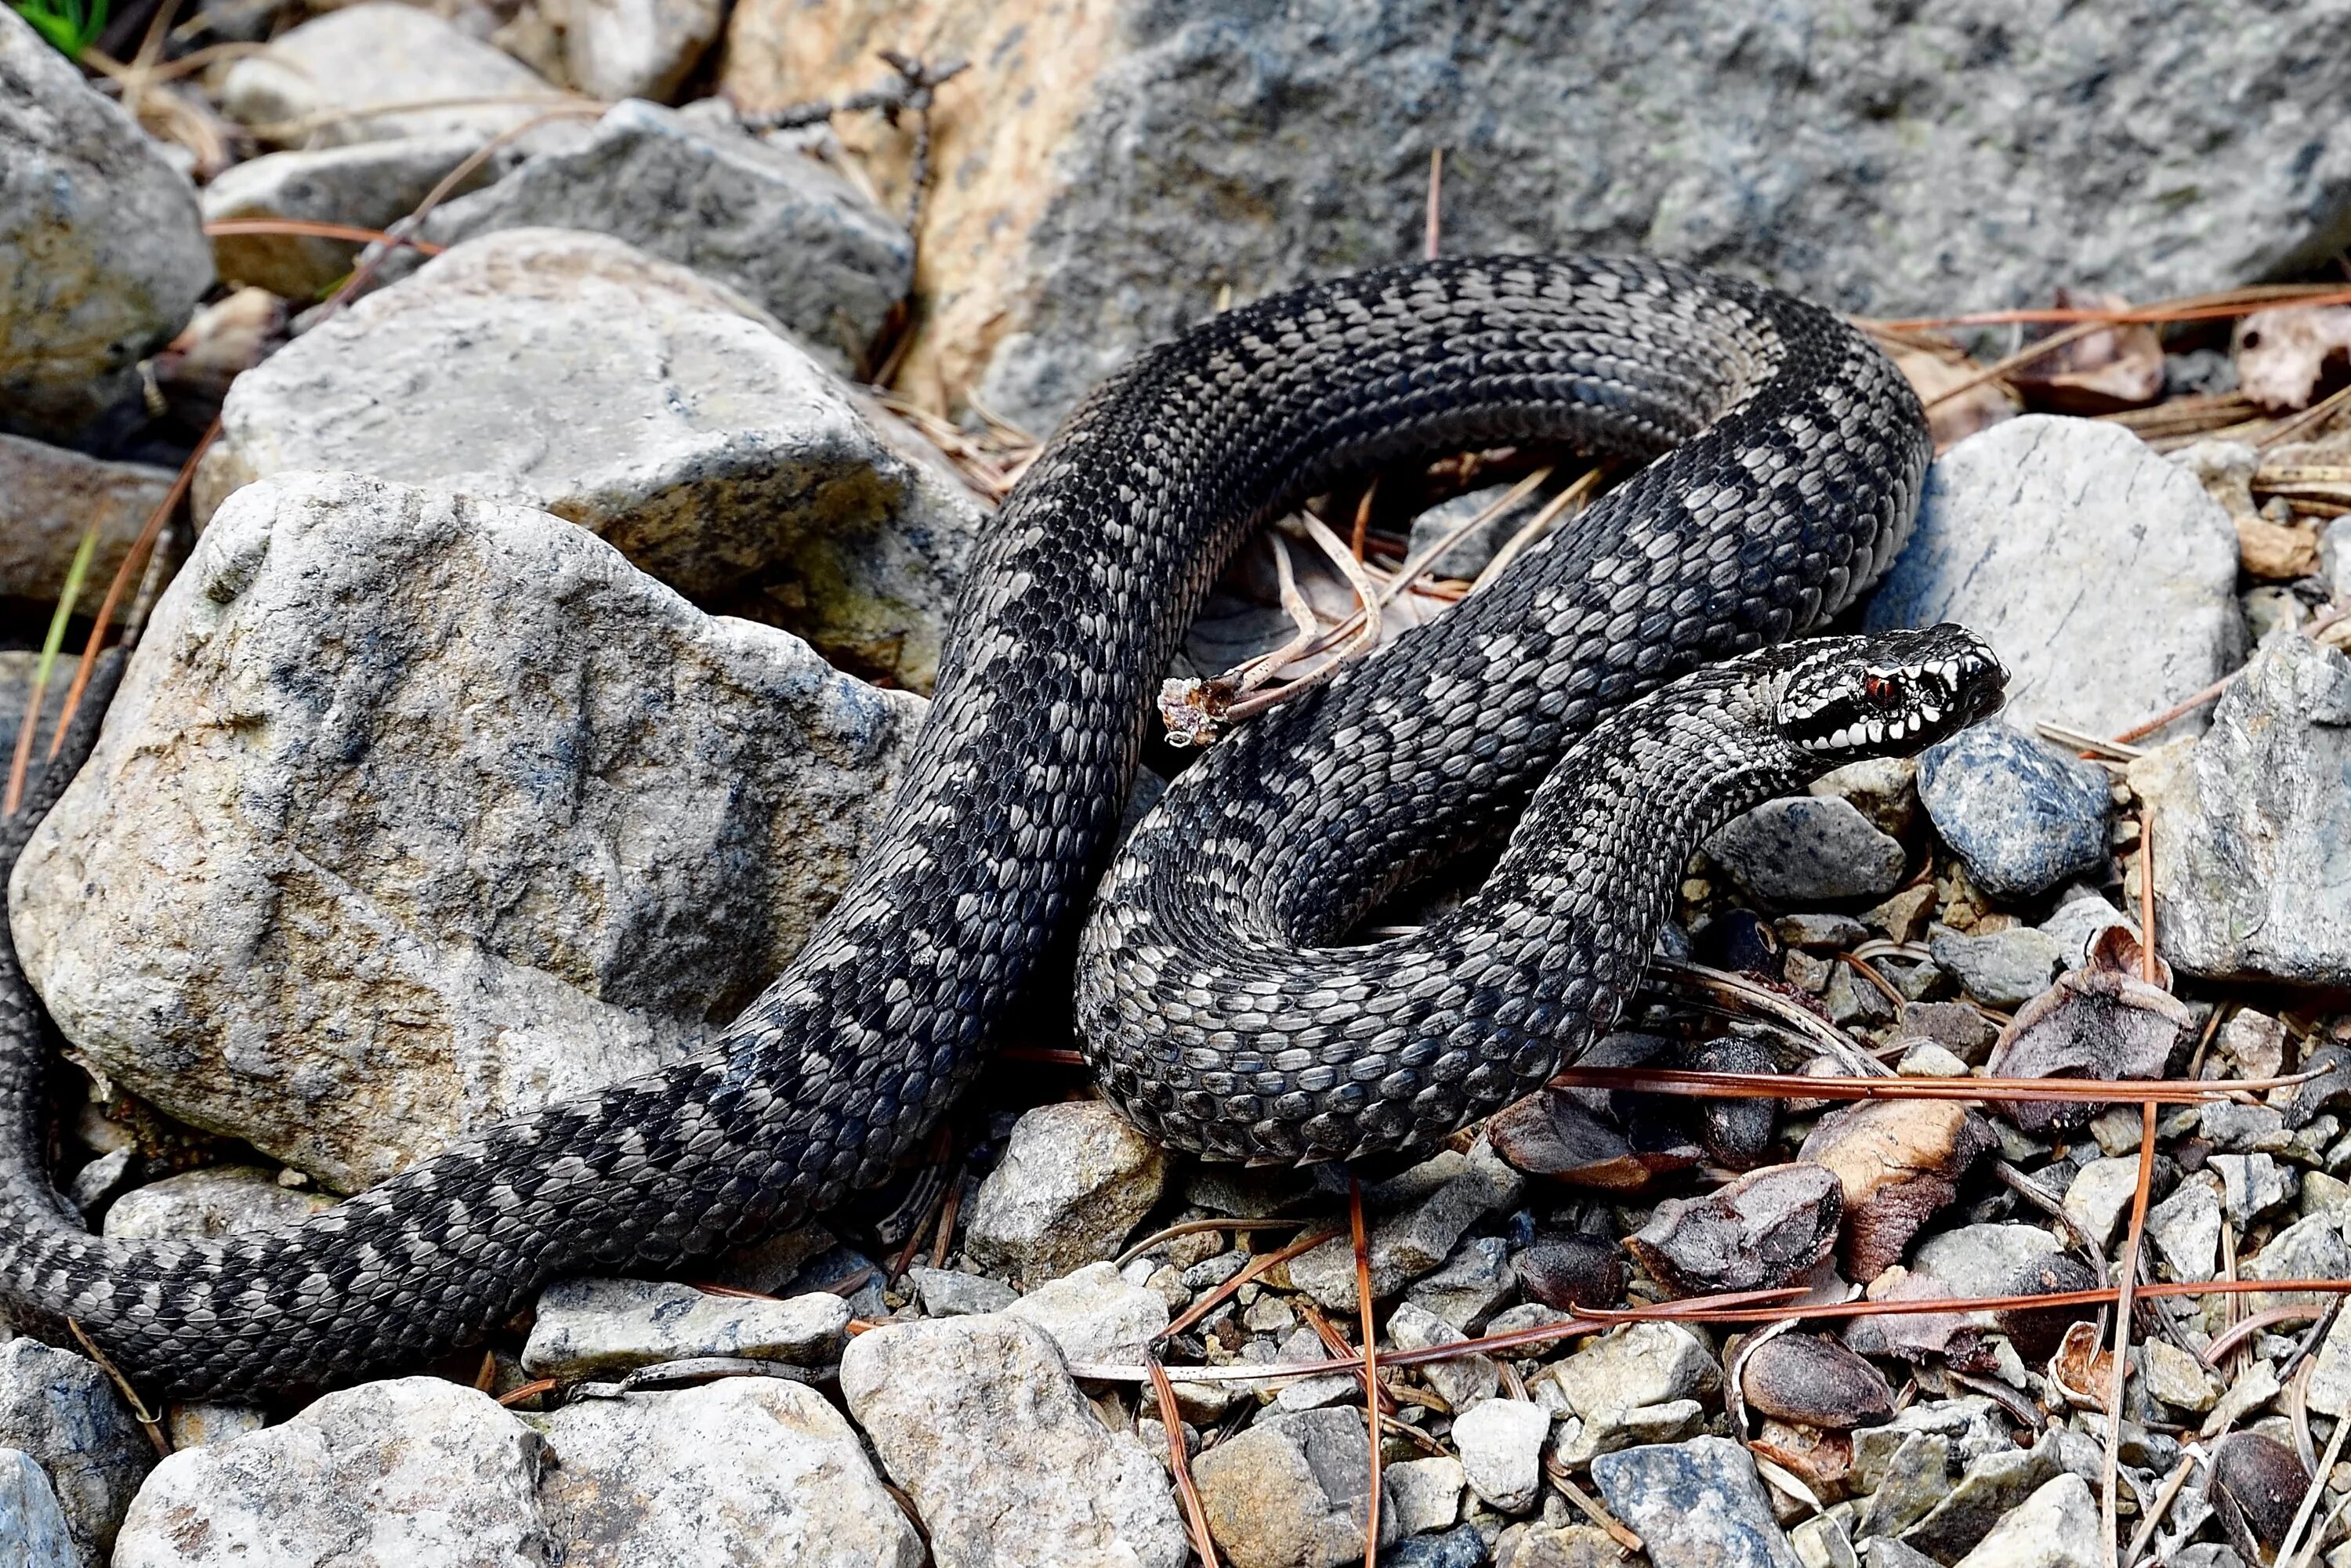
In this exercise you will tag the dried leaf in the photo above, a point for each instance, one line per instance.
(1548, 1134)
(1821, 1459)
(1915, 1337)
(2083, 1370)
(1934, 371)
(2101, 1022)
(2282, 353)
(1898, 1161)
(2115, 366)
(1764, 1230)
(1815, 1382)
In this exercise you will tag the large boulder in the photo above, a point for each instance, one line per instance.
(1110, 166)
(102, 254)
(414, 813)
(651, 405)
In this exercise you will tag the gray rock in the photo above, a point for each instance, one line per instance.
(314, 84)
(2102, 573)
(216, 1202)
(1628, 1387)
(64, 1412)
(1698, 1504)
(2310, 1249)
(1425, 1493)
(790, 234)
(2078, 922)
(947, 1293)
(2253, 824)
(632, 48)
(2329, 1391)
(33, 1530)
(2186, 1228)
(1808, 849)
(1501, 1442)
(1095, 1316)
(1292, 1492)
(2250, 1185)
(102, 253)
(2002, 969)
(2239, 1129)
(1403, 1247)
(1009, 1466)
(2023, 815)
(415, 792)
(1981, 1260)
(653, 406)
(586, 1326)
(749, 1469)
(1301, 1346)
(413, 1470)
(1883, 789)
(2179, 1380)
(1909, 1484)
(1075, 1180)
(1096, 209)
(1477, 1282)
(52, 496)
(1969, 1425)
(1461, 1382)
(372, 185)
(2335, 556)
(2056, 1527)
(2100, 1195)
(1461, 1548)
(1989, 1489)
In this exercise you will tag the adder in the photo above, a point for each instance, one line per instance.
(1624, 687)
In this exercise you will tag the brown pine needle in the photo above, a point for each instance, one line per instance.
(1209, 1303)
(1780, 1086)
(2219, 305)
(1371, 1364)
(1195, 1518)
(309, 228)
(517, 1395)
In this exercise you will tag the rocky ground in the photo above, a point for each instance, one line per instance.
(549, 619)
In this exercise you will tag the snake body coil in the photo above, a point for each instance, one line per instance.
(1791, 458)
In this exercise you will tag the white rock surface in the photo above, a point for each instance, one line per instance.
(216, 1202)
(794, 237)
(313, 85)
(653, 407)
(746, 1470)
(1095, 1316)
(1502, 1443)
(50, 496)
(586, 1326)
(33, 1531)
(2100, 572)
(1425, 1494)
(1008, 1466)
(1074, 1179)
(102, 253)
(346, 898)
(2253, 825)
(372, 184)
(64, 1412)
(2056, 1527)
(632, 48)
(416, 1471)
(2101, 1194)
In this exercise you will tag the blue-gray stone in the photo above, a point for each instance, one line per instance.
(1698, 1504)
(1461, 1547)
(2023, 815)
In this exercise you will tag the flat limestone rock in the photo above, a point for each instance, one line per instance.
(1108, 167)
(977, 1419)
(102, 252)
(749, 1469)
(586, 1326)
(412, 1470)
(2101, 572)
(2252, 825)
(659, 410)
(543, 827)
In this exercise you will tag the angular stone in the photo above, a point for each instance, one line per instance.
(1643, 1364)
(1425, 1494)
(946, 1293)
(2310, 1249)
(480, 912)
(1408, 1244)
(2100, 1195)
(1008, 1466)
(1095, 1316)
(2000, 968)
(222, 1201)
(63, 1411)
(1808, 849)
(1698, 1504)
(656, 408)
(1291, 1492)
(369, 184)
(2078, 922)
(33, 1530)
(1984, 1494)
(747, 1469)
(50, 498)
(588, 1326)
(1477, 1282)
(1909, 1484)
(2056, 1527)
(2252, 824)
(1461, 1382)
(632, 48)
(2017, 525)
(2250, 1185)
(412, 1470)
(1075, 1180)
(102, 252)
(1114, 166)
(2186, 1230)
(1501, 1442)
(788, 232)
(314, 84)
(2023, 815)
(2179, 1380)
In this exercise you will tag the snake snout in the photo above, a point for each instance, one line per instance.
(1892, 695)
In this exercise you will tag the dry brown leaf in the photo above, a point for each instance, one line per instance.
(1814, 1382)
(1549, 1133)
(1933, 371)
(2097, 1021)
(2083, 1369)
(1898, 1161)
(1821, 1459)
(2282, 353)
(2114, 367)
(1766, 1229)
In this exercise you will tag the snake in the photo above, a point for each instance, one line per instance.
(1627, 683)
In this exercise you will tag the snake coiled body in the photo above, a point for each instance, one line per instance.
(1793, 455)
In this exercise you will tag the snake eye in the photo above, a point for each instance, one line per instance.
(1878, 689)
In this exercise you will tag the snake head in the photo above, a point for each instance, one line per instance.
(1891, 694)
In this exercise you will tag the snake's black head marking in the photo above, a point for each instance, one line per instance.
(1892, 695)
